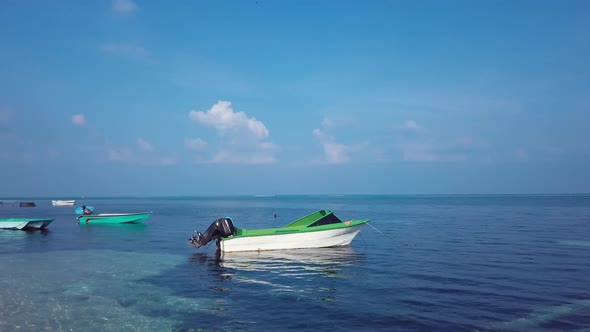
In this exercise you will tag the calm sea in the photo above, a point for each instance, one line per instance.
(425, 263)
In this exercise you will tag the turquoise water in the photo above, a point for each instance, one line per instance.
(428, 263)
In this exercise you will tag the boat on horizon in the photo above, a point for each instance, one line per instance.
(320, 229)
(25, 223)
(63, 203)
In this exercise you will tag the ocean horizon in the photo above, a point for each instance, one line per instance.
(67, 197)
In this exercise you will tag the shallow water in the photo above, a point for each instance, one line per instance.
(427, 263)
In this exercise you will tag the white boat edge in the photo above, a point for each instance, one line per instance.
(319, 239)
(24, 223)
(63, 203)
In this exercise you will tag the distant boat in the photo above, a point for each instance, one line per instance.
(27, 204)
(320, 229)
(24, 223)
(63, 203)
(114, 218)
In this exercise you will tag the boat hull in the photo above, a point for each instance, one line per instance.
(334, 237)
(63, 203)
(24, 223)
(114, 218)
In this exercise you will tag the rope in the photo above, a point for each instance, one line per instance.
(365, 241)
(380, 232)
(405, 244)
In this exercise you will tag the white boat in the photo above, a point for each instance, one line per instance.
(24, 223)
(63, 203)
(317, 230)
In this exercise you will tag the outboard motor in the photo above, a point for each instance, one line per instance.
(220, 228)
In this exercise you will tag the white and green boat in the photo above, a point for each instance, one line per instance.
(24, 223)
(317, 230)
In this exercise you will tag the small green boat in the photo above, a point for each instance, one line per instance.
(114, 218)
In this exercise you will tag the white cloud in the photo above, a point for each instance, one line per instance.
(340, 122)
(195, 144)
(410, 129)
(145, 145)
(320, 135)
(334, 152)
(124, 6)
(79, 119)
(120, 155)
(223, 118)
(411, 125)
(242, 139)
(267, 146)
(327, 123)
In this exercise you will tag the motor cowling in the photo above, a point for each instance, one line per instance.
(225, 226)
(220, 228)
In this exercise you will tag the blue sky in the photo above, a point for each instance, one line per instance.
(133, 97)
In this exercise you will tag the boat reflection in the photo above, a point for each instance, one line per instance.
(11, 234)
(21, 233)
(297, 262)
(124, 226)
(279, 272)
(42, 231)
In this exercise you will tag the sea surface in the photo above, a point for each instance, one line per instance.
(424, 263)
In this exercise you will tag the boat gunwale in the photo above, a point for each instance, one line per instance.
(26, 219)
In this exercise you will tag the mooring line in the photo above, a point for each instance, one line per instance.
(392, 239)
